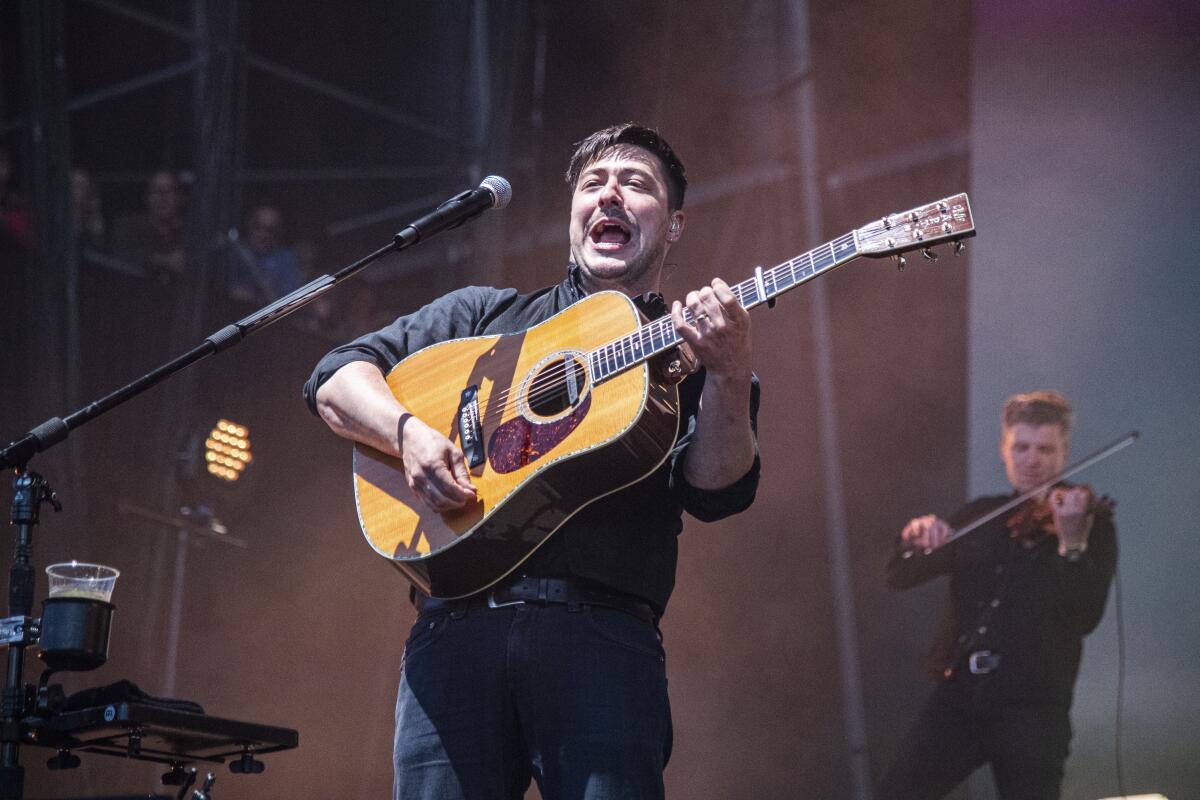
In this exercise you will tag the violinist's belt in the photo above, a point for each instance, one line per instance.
(981, 662)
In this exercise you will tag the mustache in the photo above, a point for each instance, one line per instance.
(617, 214)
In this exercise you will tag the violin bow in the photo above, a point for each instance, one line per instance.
(1082, 464)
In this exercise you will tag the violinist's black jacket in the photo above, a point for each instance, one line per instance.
(1014, 598)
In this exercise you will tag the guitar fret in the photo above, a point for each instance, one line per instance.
(781, 277)
(748, 294)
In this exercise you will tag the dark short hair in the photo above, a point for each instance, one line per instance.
(628, 133)
(1039, 408)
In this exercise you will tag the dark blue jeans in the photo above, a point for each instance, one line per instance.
(572, 696)
(962, 727)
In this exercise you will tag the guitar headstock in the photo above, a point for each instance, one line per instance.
(947, 220)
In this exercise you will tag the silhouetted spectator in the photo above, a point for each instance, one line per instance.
(264, 268)
(87, 219)
(16, 234)
(154, 239)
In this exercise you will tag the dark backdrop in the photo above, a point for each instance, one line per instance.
(353, 121)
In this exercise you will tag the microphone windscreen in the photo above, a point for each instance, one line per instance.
(500, 188)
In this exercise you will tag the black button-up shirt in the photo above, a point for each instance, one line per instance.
(626, 541)
(1017, 599)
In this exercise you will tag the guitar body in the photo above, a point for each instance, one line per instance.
(555, 417)
(545, 439)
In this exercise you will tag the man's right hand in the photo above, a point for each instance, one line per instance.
(434, 468)
(925, 533)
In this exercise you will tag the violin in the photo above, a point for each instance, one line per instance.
(1039, 519)
(1035, 517)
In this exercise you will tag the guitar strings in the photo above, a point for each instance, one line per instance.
(551, 382)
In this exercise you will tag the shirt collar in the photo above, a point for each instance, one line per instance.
(651, 304)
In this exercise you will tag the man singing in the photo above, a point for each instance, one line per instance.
(557, 673)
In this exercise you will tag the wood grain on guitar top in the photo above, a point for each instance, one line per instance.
(614, 434)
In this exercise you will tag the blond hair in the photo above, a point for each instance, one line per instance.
(1039, 408)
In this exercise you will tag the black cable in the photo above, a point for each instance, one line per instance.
(1120, 679)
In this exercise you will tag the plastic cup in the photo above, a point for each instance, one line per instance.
(85, 581)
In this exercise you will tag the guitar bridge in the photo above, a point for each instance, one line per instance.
(470, 429)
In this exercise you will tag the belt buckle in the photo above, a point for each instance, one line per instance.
(980, 669)
(493, 603)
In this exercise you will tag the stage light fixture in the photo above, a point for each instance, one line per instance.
(227, 451)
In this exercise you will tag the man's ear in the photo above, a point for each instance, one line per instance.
(675, 227)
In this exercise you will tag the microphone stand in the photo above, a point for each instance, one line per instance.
(30, 489)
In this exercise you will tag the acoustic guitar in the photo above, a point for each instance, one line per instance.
(555, 417)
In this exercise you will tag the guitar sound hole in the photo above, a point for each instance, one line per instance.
(558, 386)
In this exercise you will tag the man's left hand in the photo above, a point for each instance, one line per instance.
(719, 334)
(1072, 510)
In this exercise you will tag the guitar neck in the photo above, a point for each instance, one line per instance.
(766, 284)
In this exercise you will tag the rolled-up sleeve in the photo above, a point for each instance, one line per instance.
(452, 316)
(710, 505)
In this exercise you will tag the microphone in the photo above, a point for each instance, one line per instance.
(493, 192)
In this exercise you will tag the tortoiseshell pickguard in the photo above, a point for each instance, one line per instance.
(519, 442)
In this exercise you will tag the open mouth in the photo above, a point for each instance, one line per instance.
(610, 234)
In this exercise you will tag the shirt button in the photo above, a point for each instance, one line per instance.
(999, 568)
(962, 638)
(982, 629)
(995, 602)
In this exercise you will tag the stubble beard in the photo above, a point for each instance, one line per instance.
(636, 273)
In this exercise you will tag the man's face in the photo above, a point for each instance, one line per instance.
(265, 226)
(163, 196)
(620, 222)
(1032, 454)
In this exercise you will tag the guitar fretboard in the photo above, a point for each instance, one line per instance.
(660, 335)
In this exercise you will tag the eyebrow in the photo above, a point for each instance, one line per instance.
(637, 168)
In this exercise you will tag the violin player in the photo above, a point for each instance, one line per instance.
(1024, 590)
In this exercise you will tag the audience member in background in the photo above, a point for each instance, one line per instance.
(264, 268)
(15, 233)
(154, 239)
(87, 219)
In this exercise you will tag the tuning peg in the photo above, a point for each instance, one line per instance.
(929, 254)
(959, 246)
(900, 262)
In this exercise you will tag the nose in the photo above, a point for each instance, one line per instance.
(610, 195)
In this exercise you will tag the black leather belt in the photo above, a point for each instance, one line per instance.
(542, 591)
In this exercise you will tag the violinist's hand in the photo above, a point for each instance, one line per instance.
(925, 533)
(1072, 510)
(434, 468)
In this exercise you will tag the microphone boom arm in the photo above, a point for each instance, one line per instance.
(494, 192)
